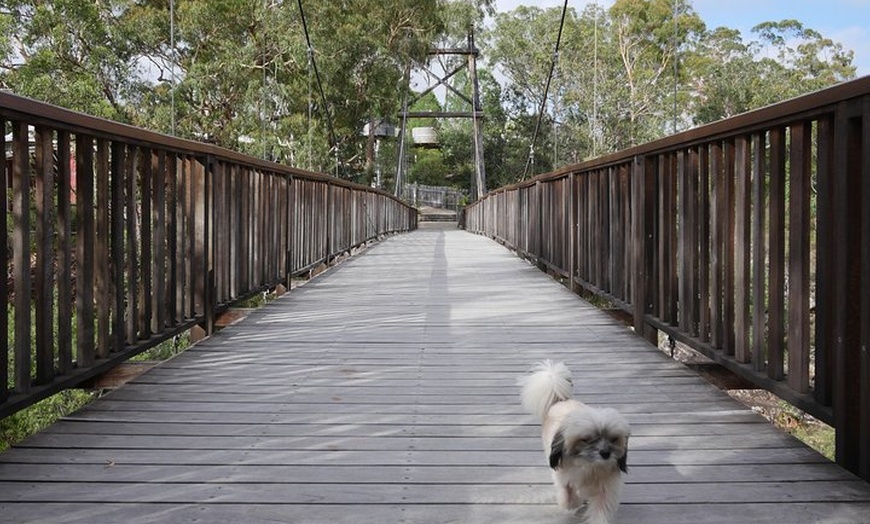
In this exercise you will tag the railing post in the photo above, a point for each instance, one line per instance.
(4, 260)
(642, 195)
(204, 260)
(291, 231)
(849, 323)
(21, 255)
(864, 384)
(572, 231)
(208, 241)
(330, 221)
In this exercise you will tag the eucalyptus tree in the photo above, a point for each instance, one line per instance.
(785, 59)
(72, 53)
(649, 38)
(245, 72)
(523, 47)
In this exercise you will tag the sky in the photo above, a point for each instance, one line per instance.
(844, 21)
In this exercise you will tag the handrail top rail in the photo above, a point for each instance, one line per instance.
(61, 118)
(766, 116)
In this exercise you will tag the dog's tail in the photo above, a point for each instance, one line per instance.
(549, 382)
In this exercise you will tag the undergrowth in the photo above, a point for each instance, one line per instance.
(20, 425)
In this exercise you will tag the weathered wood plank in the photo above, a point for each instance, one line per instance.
(803, 513)
(362, 474)
(532, 456)
(302, 492)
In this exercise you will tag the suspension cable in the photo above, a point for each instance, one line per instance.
(531, 158)
(333, 144)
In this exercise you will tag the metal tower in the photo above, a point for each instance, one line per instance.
(475, 112)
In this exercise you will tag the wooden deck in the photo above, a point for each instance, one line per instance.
(383, 391)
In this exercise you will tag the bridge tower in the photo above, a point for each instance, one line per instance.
(475, 112)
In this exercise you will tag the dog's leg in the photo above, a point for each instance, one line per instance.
(601, 507)
(565, 494)
(565, 497)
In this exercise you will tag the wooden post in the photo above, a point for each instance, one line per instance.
(21, 254)
(850, 416)
(572, 231)
(643, 195)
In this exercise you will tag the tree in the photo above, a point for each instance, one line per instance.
(647, 37)
(787, 60)
(724, 75)
(72, 53)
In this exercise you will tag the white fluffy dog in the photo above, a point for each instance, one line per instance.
(587, 447)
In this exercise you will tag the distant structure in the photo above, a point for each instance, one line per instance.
(475, 113)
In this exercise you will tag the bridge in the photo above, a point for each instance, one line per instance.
(384, 389)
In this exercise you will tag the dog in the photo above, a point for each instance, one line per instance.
(587, 447)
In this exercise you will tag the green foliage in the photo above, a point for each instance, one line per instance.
(732, 76)
(239, 74)
(165, 350)
(814, 434)
(21, 425)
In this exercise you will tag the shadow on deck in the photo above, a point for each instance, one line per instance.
(384, 391)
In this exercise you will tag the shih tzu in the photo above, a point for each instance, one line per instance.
(587, 447)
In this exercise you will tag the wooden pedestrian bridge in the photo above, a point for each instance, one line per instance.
(384, 389)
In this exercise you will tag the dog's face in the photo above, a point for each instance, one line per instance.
(588, 437)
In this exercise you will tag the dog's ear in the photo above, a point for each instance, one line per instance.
(557, 449)
(623, 462)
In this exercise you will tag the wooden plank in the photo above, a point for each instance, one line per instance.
(302, 492)
(728, 248)
(118, 245)
(145, 187)
(530, 456)
(21, 177)
(800, 162)
(4, 262)
(102, 252)
(44, 303)
(759, 251)
(684, 248)
(717, 215)
(400, 474)
(387, 442)
(703, 263)
(159, 264)
(825, 243)
(465, 426)
(85, 244)
(64, 256)
(742, 248)
(864, 386)
(776, 264)
(131, 252)
(413, 513)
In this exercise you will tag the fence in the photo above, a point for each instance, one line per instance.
(118, 239)
(442, 197)
(747, 239)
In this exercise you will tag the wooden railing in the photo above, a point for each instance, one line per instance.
(117, 239)
(747, 239)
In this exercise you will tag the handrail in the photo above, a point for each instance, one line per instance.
(746, 239)
(122, 238)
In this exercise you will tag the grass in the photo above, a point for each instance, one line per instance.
(165, 350)
(20, 425)
(810, 431)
